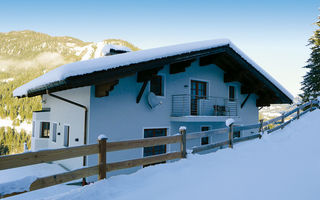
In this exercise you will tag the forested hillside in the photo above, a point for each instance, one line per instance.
(12, 142)
(25, 55)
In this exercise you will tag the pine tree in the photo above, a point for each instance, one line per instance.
(311, 81)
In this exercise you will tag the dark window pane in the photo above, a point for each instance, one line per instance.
(204, 128)
(159, 149)
(156, 85)
(45, 129)
(236, 134)
(204, 140)
(231, 93)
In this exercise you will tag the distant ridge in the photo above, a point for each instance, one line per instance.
(25, 55)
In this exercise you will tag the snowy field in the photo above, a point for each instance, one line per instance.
(18, 177)
(283, 165)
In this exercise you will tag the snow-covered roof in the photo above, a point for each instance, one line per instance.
(60, 74)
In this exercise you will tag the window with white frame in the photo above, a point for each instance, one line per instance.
(44, 129)
(66, 133)
(54, 132)
(33, 128)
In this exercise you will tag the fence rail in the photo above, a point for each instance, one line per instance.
(262, 127)
(102, 167)
(30, 158)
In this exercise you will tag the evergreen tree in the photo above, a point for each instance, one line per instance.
(311, 81)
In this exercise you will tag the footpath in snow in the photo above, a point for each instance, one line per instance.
(282, 165)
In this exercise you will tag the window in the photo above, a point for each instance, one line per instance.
(45, 129)
(66, 136)
(231, 93)
(156, 85)
(198, 91)
(205, 140)
(54, 132)
(155, 150)
(236, 134)
(33, 128)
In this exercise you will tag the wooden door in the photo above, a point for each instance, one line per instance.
(198, 91)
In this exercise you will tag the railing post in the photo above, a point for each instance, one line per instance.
(183, 144)
(282, 121)
(311, 105)
(231, 135)
(298, 113)
(261, 128)
(102, 139)
(261, 125)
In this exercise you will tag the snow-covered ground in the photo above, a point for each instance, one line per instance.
(282, 165)
(24, 125)
(11, 179)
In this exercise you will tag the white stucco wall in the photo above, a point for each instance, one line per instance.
(64, 113)
(119, 117)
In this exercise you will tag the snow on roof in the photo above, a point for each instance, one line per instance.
(110, 62)
(107, 48)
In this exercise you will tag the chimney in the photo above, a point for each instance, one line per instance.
(110, 49)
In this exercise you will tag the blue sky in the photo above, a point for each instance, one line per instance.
(272, 33)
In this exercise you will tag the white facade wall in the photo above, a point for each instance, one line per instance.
(63, 113)
(119, 117)
(36, 141)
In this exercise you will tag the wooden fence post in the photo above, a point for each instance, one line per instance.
(183, 144)
(261, 125)
(102, 162)
(298, 113)
(231, 135)
(282, 121)
(311, 105)
(261, 128)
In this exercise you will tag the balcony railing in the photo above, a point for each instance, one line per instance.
(189, 105)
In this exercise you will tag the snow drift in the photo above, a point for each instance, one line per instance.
(282, 165)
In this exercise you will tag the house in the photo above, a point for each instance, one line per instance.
(149, 93)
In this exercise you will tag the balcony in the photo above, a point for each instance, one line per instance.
(208, 107)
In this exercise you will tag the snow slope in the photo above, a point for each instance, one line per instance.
(38, 170)
(282, 165)
(20, 179)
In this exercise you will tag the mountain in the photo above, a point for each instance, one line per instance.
(29, 49)
(25, 55)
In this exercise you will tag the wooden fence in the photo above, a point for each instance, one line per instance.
(31, 158)
(278, 122)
